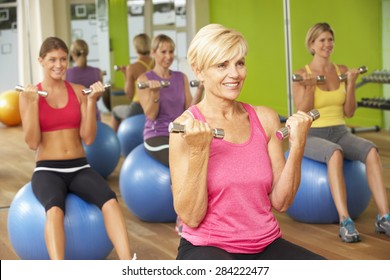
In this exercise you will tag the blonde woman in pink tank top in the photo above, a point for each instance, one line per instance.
(225, 190)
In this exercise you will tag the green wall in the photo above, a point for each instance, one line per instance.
(357, 26)
(119, 38)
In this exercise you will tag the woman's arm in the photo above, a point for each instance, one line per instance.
(187, 92)
(129, 82)
(286, 173)
(188, 158)
(350, 104)
(149, 97)
(88, 111)
(29, 111)
(303, 91)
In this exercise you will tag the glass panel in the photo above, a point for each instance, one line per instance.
(168, 17)
(84, 26)
(181, 13)
(135, 22)
(163, 12)
(8, 48)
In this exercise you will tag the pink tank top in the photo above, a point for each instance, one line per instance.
(51, 119)
(239, 216)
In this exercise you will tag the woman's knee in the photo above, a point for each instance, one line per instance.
(337, 156)
(55, 212)
(110, 204)
(373, 156)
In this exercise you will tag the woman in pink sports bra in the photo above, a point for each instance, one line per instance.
(224, 190)
(329, 139)
(55, 128)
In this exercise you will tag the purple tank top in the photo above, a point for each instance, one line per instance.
(172, 105)
(85, 76)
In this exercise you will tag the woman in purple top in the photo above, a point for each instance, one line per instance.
(81, 73)
(162, 105)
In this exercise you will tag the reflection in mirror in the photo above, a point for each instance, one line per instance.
(135, 22)
(8, 45)
(166, 16)
(156, 17)
(89, 21)
(83, 26)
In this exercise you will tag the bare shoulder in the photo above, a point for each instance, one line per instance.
(78, 89)
(183, 117)
(300, 71)
(142, 77)
(343, 68)
(269, 118)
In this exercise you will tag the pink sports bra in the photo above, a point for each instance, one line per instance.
(51, 119)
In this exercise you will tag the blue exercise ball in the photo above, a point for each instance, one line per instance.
(145, 186)
(131, 133)
(313, 202)
(104, 153)
(86, 236)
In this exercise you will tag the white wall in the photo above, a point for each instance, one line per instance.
(35, 23)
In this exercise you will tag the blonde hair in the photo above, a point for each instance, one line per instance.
(79, 48)
(214, 44)
(315, 31)
(159, 39)
(142, 44)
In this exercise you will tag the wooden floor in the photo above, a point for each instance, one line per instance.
(158, 241)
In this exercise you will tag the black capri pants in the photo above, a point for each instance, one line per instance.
(52, 180)
(280, 249)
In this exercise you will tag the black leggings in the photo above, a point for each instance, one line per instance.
(51, 187)
(280, 249)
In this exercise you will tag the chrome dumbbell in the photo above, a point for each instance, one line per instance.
(362, 70)
(284, 132)
(118, 67)
(180, 128)
(40, 92)
(298, 78)
(143, 85)
(88, 90)
(194, 83)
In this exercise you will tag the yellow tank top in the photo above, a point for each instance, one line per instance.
(329, 104)
(148, 67)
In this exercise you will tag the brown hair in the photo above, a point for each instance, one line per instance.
(79, 48)
(52, 43)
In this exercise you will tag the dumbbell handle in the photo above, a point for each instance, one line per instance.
(88, 90)
(118, 67)
(180, 128)
(362, 70)
(298, 78)
(284, 132)
(40, 92)
(143, 85)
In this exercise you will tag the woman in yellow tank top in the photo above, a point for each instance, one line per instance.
(144, 63)
(329, 140)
